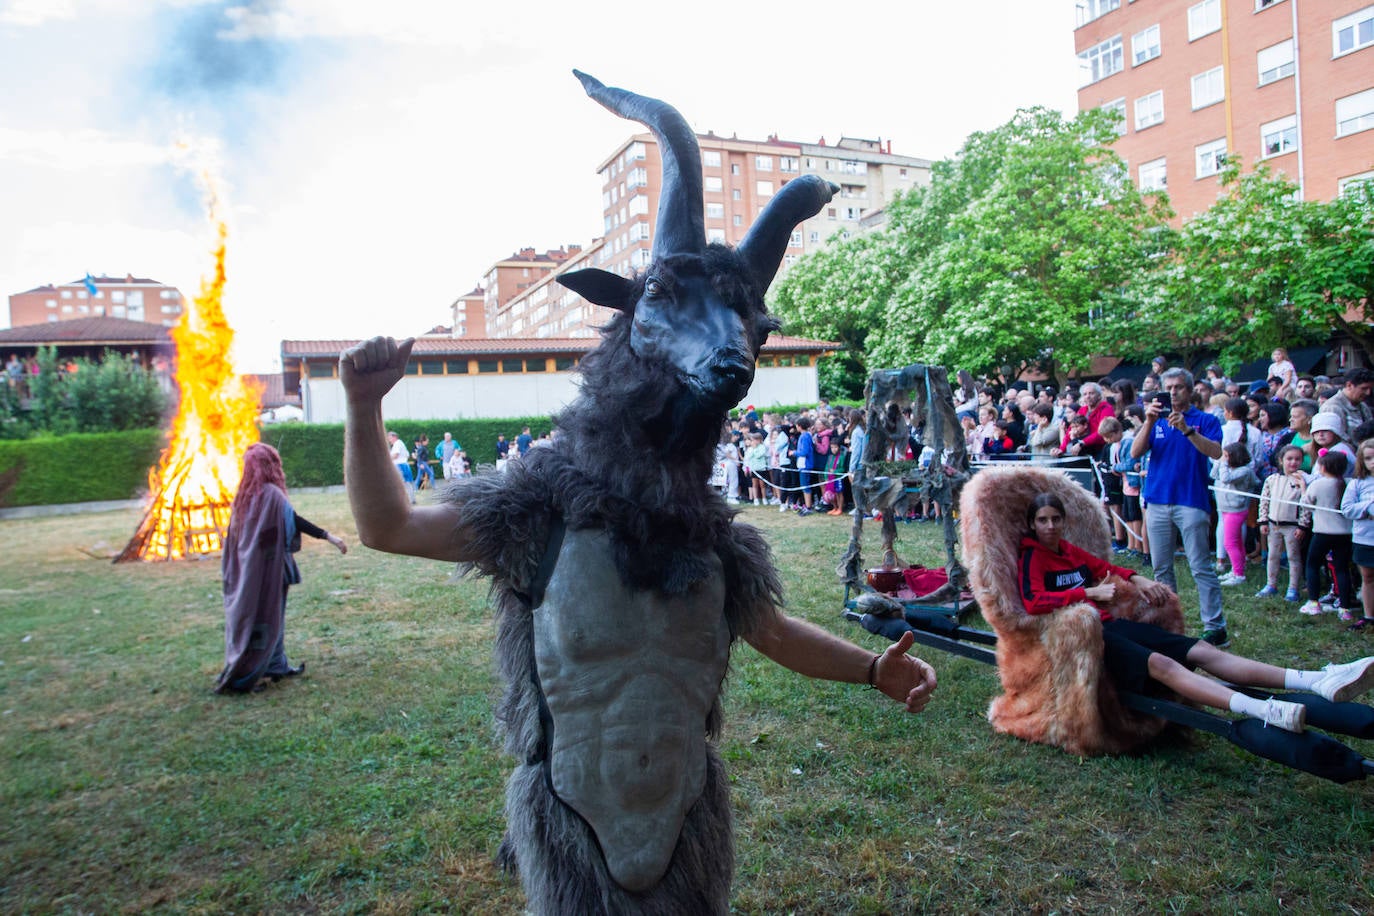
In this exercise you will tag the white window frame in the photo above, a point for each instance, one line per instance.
(1088, 10)
(715, 235)
(710, 158)
(1143, 49)
(1217, 76)
(1274, 133)
(1149, 110)
(1203, 19)
(763, 188)
(1348, 183)
(1358, 113)
(713, 183)
(1097, 62)
(763, 163)
(1148, 171)
(1265, 4)
(1352, 23)
(1277, 66)
(1209, 158)
(715, 211)
(1119, 106)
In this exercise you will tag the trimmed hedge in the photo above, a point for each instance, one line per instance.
(82, 467)
(90, 467)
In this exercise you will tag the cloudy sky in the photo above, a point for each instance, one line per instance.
(376, 158)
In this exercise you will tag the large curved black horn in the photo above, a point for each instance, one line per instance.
(681, 225)
(764, 245)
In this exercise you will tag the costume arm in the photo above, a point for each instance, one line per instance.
(809, 650)
(381, 506)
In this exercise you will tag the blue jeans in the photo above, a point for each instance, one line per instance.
(1194, 525)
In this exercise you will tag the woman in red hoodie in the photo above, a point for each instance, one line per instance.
(1053, 573)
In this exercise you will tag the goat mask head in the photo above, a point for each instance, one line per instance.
(697, 308)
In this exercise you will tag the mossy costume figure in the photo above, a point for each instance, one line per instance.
(621, 585)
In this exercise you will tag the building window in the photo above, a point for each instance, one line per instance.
(431, 367)
(321, 369)
(1100, 61)
(1149, 110)
(763, 188)
(739, 219)
(1145, 45)
(763, 163)
(796, 239)
(1209, 88)
(639, 204)
(1353, 32)
(710, 158)
(456, 366)
(1264, 4)
(714, 183)
(787, 164)
(116, 295)
(715, 235)
(536, 365)
(487, 365)
(1348, 185)
(1119, 107)
(734, 168)
(50, 303)
(736, 194)
(637, 178)
(1279, 137)
(715, 211)
(901, 173)
(1210, 157)
(1204, 19)
(829, 212)
(66, 294)
(52, 318)
(1088, 10)
(1153, 176)
(636, 151)
(789, 259)
(1275, 62)
(564, 363)
(512, 365)
(1355, 113)
(853, 212)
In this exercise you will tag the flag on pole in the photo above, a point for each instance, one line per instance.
(90, 283)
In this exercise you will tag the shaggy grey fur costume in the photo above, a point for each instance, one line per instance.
(621, 495)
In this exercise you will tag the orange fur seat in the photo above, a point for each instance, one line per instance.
(1054, 688)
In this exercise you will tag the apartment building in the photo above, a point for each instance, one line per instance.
(512, 276)
(1287, 82)
(132, 298)
(739, 177)
(470, 314)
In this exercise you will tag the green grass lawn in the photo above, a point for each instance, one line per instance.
(374, 783)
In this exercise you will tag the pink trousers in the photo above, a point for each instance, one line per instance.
(1233, 536)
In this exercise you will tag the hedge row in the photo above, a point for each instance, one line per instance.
(82, 467)
(89, 467)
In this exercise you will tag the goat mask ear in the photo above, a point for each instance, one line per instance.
(681, 227)
(601, 287)
(764, 245)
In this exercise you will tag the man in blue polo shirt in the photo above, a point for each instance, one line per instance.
(1181, 440)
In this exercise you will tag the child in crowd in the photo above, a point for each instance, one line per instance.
(756, 460)
(1326, 437)
(973, 442)
(1132, 513)
(1000, 442)
(1112, 493)
(1321, 514)
(1357, 504)
(836, 464)
(1236, 482)
(1046, 432)
(1074, 436)
(1278, 514)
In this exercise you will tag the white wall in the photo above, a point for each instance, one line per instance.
(523, 395)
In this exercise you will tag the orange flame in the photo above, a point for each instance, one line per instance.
(195, 480)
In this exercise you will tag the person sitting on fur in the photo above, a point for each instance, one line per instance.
(1054, 573)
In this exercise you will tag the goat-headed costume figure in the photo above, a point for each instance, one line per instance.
(620, 581)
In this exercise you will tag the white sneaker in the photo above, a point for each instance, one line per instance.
(1231, 579)
(1312, 609)
(1291, 717)
(1342, 683)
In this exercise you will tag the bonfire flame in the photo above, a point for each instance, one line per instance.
(195, 480)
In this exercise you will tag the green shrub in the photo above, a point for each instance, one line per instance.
(82, 467)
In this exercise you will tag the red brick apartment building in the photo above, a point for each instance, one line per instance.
(1289, 82)
(132, 298)
(739, 178)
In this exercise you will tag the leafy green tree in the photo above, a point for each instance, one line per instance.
(1337, 278)
(1226, 283)
(109, 395)
(1027, 247)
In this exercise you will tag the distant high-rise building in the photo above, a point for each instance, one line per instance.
(133, 298)
(1287, 82)
(470, 314)
(739, 177)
